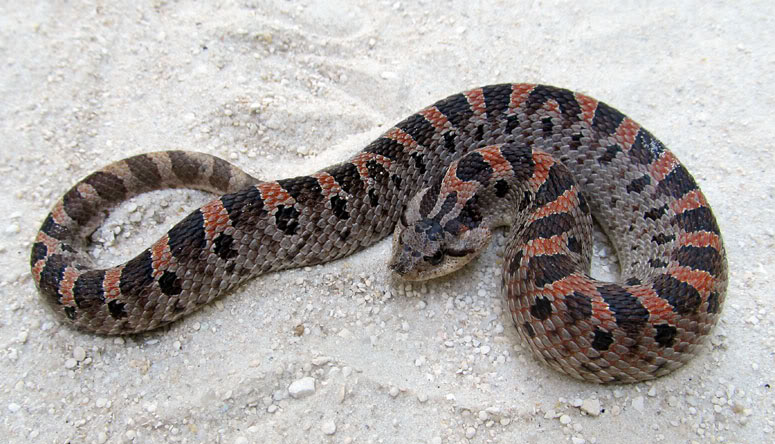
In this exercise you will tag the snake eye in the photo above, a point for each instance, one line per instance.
(436, 258)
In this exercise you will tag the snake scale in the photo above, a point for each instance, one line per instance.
(540, 159)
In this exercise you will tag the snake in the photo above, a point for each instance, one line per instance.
(544, 162)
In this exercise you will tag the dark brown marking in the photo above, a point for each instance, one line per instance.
(663, 238)
(184, 167)
(347, 176)
(223, 247)
(607, 119)
(574, 245)
(515, 263)
(187, 237)
(697, 219)
(554, 224)
(392, 149)
(169, 283)
(610, 154)
(699, 258)
(221, 174)
(428, 200)
(639, 184)
(377, 171)
(657, 263)
(51, 275)
(339, 207)
(579, 306)
(108, 186)
(541, 309)
(646, 148)
(546, 269)
(714, 303)
(565, 100)
(558, 181)
(583, 206)
(305, 190)
(602, 339)
(137, 275)
(521, 159)
(77, 207)
(470, 214)
(496, 99)
(244, 207)
(419, 162)
(396, 180)
(39, 252)
(501, 188)
(684, 298)
(666, 334)
(419, 128)
(456, 109)
(53, 229)
(116, 310)
(472, 167)
(656, 213)
(629, 312)
(449, 203)
(88, 289)
(547, 126)
(145, 170)
(287, 219)
(677, 183)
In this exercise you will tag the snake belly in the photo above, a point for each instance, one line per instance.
(598, 162)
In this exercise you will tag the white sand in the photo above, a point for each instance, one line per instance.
(283, 89)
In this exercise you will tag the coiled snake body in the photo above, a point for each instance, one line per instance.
(538, 158)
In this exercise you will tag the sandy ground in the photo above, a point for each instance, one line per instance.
(284, 88)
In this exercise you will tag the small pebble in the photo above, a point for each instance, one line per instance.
(393, 392)
(70, 363)
(637, 403)
(564, 419)
(79, 354)
(328, 427)
(591, 407)
(301, 388)
(470, 432)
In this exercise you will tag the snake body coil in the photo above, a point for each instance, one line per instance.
(540, 159)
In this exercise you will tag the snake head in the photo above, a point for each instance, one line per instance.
(424, 249)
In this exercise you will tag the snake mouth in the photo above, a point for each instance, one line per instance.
(404, 271)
